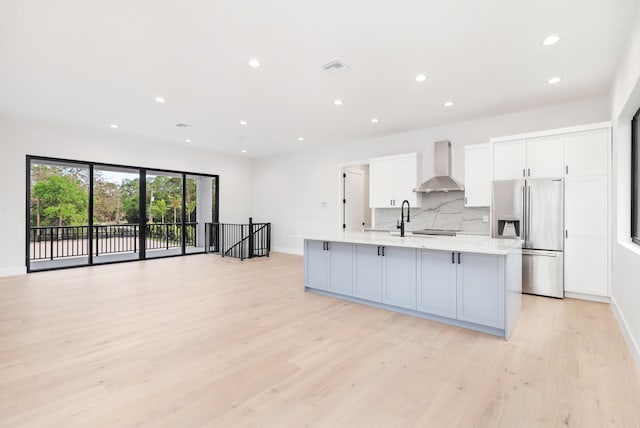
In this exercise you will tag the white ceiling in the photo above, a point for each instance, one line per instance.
(93, 63)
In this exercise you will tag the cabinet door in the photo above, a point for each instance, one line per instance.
(545, 157)
(480, 289)
(341, 268)
(380, 183)
(586, 153)
(405, 179)
(509, 160)
(399, 277)
(315, 265)
(477, 176)
(367, 279)
(586, 240)
(437, 283)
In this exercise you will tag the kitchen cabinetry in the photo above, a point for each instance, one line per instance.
(540, 157)
(386, 274)
(480, 289)
(509, 160)
(586, 221)
(392, 180)
(437, 283)
(477, 175)
(329, 266)
(544, 157)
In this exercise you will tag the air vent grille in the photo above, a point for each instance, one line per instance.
(335, 65)
(183, 125)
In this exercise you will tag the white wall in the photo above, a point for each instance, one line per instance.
(289, 190)
(19, 137)
(625, 101)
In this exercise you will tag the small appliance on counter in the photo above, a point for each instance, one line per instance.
(533, 210)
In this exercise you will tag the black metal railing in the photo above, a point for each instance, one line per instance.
(53, 242)
(243, 241)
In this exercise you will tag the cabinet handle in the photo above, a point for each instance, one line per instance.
(327, 246)
(529, 172)
(566, 169)
(523, 173)
(382, 251)
(378, 250)
(453, 258)
(324, 246)
(458, 258)
(566, 233)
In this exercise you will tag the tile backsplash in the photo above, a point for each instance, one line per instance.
(442, 210)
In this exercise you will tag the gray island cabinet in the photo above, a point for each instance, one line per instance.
(467, 282)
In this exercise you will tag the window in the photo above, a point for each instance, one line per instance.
(635, 178)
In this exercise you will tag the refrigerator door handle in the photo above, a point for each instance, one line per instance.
(528, 211)
(540, 253)
(523, 232)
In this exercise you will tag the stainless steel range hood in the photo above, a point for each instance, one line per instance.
(442, 181)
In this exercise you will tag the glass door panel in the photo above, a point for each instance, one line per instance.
(58, 214)
(116, 214)
(164, 214)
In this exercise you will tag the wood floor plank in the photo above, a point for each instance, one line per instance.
(206, 341)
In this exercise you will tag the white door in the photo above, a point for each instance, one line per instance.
(380, 183)
(545, 157)
(405, 179)
(586, 153)
(509, 160)
(477, 175)
(354, 195)
(586, 235)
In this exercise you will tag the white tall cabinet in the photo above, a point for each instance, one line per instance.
(581, 155)
(477, 175)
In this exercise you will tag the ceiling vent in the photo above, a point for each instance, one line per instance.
(335, 65)
(183, 125)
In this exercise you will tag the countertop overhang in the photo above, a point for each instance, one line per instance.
(464, 244)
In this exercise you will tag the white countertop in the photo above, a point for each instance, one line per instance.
(464, 244)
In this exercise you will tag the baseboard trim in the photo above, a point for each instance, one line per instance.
(13, 271)
(591, 297)
(626, 332)
(285, 250)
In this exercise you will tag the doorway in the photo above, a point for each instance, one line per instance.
(356, 214)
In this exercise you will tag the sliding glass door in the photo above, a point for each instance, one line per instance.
(85, 213)
(116, 214)
(58, 214)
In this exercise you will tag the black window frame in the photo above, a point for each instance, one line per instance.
(143, 174)
(635, 176)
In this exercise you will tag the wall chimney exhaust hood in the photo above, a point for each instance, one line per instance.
(442, 181)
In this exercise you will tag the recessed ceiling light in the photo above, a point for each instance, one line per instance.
(375, 120)
(300, 138)
(448, 104)
(338, 102)
(254, 63)
(114, 126)
(554, 80)
(243, 151)
(421, 77)
(551, 40)
(243, 122)
(188, 140)
(159, 100)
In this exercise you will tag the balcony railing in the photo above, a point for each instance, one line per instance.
(243, 241)
(52, 242)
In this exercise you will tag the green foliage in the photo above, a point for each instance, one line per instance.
(63, 200)
(158, 210)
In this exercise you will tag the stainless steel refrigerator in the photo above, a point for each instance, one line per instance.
(533, 209)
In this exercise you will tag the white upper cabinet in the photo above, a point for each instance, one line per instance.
(509, 160)
(586, 153)
(545, 158)
(392, 180)
(477, 175)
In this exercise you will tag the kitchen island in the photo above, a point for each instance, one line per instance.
(470, 282)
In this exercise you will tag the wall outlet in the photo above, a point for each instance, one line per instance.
(324, 204)
(485, 219)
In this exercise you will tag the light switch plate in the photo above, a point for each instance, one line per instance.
(485, 219)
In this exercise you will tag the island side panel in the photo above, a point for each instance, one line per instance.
(513, 279)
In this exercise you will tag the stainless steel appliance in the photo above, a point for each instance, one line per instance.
(533, 210)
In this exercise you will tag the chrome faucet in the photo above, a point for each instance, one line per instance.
(401, 222)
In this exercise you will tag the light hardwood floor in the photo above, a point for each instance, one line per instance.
(205, 341)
